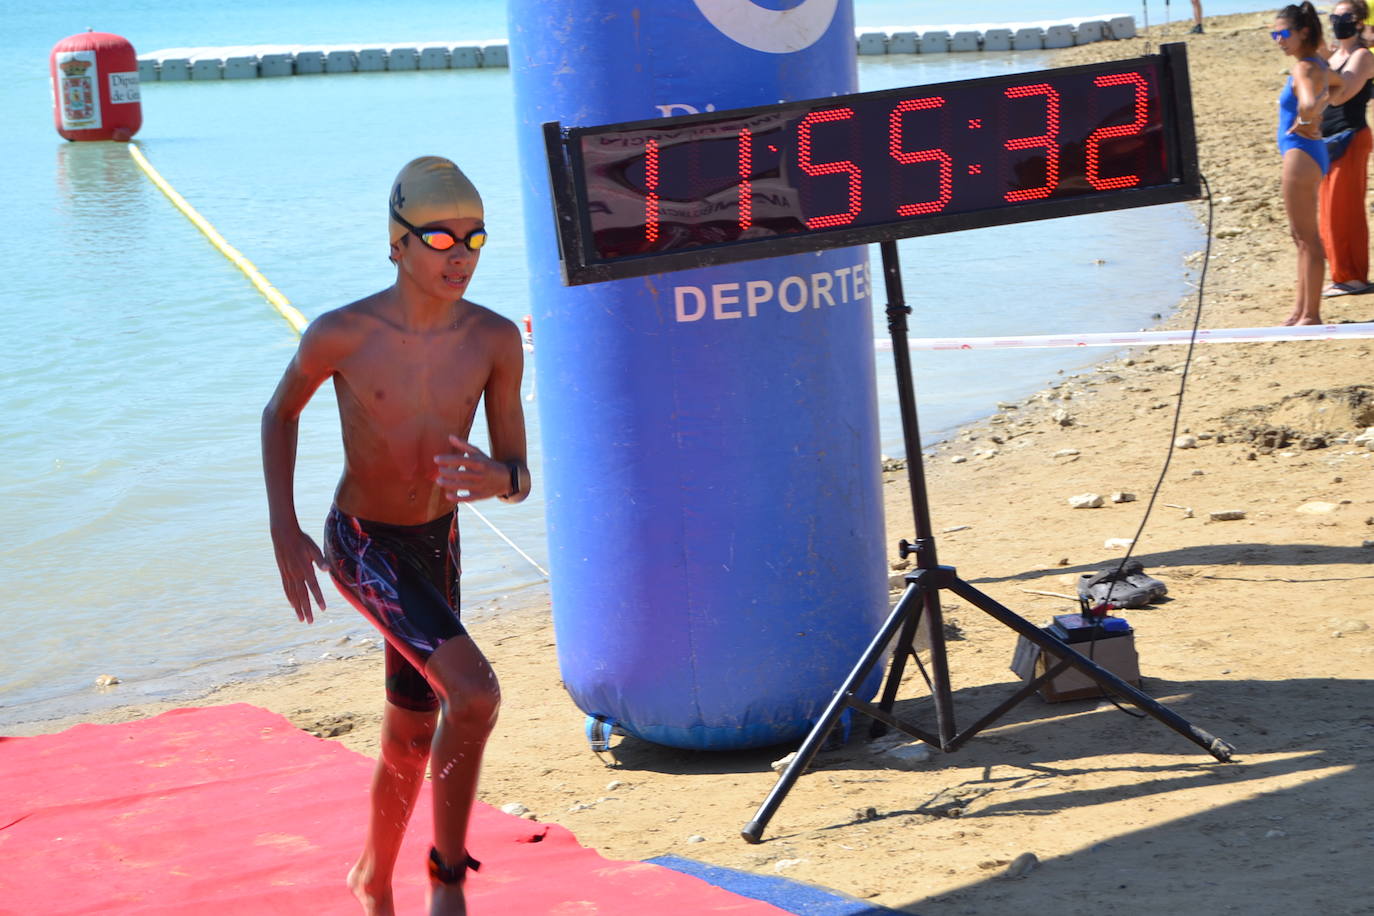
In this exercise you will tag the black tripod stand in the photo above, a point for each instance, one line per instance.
(922, 596)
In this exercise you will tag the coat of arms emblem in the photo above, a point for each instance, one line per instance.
(80, 104)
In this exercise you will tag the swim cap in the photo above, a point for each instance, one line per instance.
(429, 189)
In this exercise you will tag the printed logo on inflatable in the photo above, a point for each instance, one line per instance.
(792, 26)
(80, 103)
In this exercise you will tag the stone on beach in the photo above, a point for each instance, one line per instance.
(1227, 515)
(1022, 865)
(1086, 501)
(908, 756)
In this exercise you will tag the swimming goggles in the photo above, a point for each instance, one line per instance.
(442, 239)
(1277, 36)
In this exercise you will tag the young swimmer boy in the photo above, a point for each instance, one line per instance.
(409, 365)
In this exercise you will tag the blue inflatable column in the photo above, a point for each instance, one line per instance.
(710, 436)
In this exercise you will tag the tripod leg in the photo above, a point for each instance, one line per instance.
(905, 643)
(940, 692)
(872, 655)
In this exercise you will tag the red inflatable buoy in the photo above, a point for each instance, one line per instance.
(95, 87)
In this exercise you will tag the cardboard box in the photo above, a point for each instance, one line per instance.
(1116, 654)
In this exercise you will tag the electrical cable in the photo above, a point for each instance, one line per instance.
(1173, 434)
(1168, 455)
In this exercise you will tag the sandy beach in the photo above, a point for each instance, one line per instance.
(1266, 638)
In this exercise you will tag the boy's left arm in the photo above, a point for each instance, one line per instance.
(505, 413)
(468, 474)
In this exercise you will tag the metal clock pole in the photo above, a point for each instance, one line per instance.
(922, 596)
(924, 546)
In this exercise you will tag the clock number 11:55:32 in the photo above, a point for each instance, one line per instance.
(1044, 93)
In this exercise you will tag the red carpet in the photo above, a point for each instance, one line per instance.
(230, 809)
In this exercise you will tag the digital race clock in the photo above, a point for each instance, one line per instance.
(672, 193)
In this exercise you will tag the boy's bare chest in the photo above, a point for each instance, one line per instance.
(408, 380)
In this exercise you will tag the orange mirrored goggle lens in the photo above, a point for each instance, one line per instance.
(443, 240)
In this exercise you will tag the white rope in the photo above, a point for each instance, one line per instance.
(1140, 338)
(529, 559)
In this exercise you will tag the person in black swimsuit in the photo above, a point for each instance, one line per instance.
(1344, 221)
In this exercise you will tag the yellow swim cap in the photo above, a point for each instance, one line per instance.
(429, 189)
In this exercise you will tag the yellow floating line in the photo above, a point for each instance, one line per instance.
(279, 302)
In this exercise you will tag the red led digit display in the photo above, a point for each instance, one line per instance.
(1093, 147)
(840, 167)
(651, 190)
(745, 194)
(882, 164)
(1048, 141)
(897, 145)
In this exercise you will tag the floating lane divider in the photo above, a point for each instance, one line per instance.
(274, 297)
(278, 301)
(1351, 331)
(252, 61)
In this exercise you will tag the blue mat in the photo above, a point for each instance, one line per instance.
(783, 893)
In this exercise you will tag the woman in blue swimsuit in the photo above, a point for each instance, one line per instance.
(1298, 32)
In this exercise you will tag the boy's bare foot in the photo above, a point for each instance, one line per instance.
(1307, 321)
(375, 901)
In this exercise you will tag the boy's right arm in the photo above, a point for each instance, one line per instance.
(296, 552)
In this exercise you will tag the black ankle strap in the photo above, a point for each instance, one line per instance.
(444, 873)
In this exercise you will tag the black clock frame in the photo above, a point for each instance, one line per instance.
(582, 265)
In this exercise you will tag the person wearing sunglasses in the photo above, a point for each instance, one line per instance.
(1298, 33)
(1344, 220)
(410, 365)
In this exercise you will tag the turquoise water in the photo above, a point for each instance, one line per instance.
(139, 358)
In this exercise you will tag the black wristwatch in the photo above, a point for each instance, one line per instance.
(514, 479)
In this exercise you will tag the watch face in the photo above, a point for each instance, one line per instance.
(828, 172)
